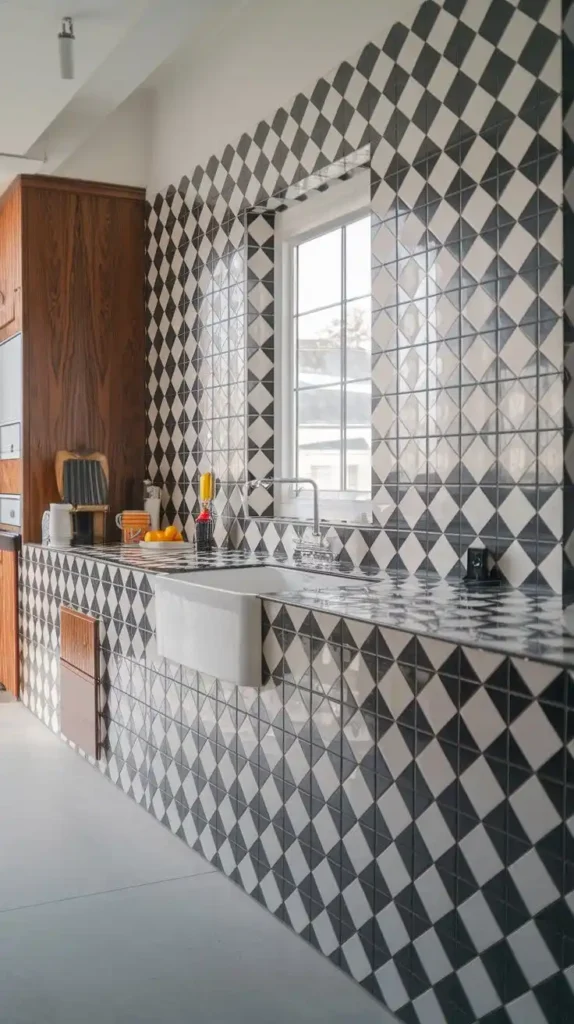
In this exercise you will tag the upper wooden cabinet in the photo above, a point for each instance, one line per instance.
(72, 279)
(10, 265)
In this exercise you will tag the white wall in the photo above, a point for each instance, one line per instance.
(119, 150)
(237, 75)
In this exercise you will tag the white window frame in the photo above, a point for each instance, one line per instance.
(341, 204)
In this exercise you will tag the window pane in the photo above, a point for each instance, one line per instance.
(358, 401)
(358, 436)
(319, 272)
(358, 460)
(319, 456)
(319, 347)
(359, 258)
(318, 406)
(358, 338)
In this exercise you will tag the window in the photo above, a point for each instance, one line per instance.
(326, 345)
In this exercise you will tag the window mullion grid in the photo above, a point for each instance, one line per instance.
(343, 474)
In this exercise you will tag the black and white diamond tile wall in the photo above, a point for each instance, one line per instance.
(461, 112)
(568, 180)
(404, 803)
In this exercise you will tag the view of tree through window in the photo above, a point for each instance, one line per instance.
(332, 379)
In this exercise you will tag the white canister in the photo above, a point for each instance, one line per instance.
(153, 507)
(60, 526)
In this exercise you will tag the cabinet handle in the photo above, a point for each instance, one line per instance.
(2, 298)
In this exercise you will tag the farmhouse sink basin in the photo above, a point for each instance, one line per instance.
(211, 620)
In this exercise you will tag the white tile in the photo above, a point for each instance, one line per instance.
(478, 988)
(394, 811)
(536, 738)
(481, 855)
(428, 1009)
(395, 751)
(433, 894)
(435, 768)
(482, 719)
(533, 882)
(480, 922)
(433, 957)
(357, 904)
(356, 958)
(393, 928)
(532, 954)
(481, 787)
(393, 870)
(392, 989)
(436, 704)
(435, 832)
(534, 810)
(526, 1010)
(535, 675)
(516, 511)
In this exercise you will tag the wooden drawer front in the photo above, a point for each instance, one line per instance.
(9, 671)
(79, 641)
(10, 476)
(78, 709)
(10, 442)
(10, 511)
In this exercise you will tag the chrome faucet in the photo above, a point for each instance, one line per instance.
(291, 480)
(315, 548)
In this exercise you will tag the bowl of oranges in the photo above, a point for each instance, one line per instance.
(159, 539)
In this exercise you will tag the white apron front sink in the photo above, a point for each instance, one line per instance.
(210, 620)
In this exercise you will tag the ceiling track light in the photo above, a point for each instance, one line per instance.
(66, 45)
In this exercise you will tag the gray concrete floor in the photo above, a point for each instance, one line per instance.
(105, 918)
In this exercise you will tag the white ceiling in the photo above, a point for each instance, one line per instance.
(30, 84)
(119, 43)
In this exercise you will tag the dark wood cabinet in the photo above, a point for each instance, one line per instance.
(72, 279)
(10, 266)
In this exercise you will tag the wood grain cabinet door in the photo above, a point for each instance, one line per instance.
(79, 660)
(9, 655)
(10, 265)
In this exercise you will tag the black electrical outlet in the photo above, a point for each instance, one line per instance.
(477, 571)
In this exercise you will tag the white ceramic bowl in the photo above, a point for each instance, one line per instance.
(165, 545)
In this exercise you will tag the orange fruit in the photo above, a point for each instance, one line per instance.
(178, 537)
(170, 533)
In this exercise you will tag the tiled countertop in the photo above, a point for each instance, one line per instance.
(526, 623)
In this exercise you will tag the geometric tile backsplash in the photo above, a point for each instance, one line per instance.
(460, 111)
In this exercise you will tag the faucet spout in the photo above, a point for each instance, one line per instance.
(298, 481)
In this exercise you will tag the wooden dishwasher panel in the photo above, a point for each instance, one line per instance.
(79, 659)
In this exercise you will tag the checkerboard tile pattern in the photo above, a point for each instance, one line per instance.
(568, 169)
(403, 803)
(460, 111)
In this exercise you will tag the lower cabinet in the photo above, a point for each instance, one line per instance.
(9, 659)
(79, 661)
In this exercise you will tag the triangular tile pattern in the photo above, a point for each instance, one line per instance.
(462, 115)
(402, 802)
(568, 210)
